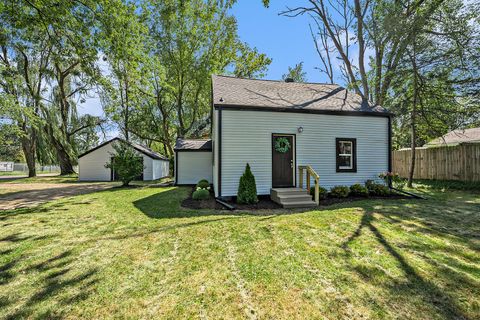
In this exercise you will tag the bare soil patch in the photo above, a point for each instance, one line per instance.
(24, 195)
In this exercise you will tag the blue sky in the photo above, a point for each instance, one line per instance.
(286, 41)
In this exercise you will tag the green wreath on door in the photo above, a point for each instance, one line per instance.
(282, 145)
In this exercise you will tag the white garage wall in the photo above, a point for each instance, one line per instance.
(247, 137)
(160, 169)
(194, 166)
(91, 167)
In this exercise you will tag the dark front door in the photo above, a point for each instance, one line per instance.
(283, 166)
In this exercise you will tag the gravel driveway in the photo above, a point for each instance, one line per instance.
(21, 195)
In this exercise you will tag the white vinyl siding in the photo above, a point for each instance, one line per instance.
(91, 167)
(160, 169)
(193, 166)
(247, 137)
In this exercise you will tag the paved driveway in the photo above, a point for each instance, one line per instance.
(21, 195)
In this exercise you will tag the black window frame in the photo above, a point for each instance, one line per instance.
(354, 154)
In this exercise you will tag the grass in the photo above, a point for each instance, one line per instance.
(21, 173)
(43, 179)
(133, 253)
(73, 178)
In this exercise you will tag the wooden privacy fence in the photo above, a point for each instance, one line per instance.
(461, 162)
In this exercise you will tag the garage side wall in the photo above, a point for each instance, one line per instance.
(160, 169)
(193, 166)
(91, 167)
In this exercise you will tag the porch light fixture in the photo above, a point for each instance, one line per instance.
(300, 129)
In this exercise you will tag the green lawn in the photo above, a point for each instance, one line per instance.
(133, 253)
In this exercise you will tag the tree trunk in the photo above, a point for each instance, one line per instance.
(64, 160)
(413, 119)
(29, 150)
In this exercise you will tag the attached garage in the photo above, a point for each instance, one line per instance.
(91, 164)
(193, 161)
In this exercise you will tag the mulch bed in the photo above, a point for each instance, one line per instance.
(265, 203)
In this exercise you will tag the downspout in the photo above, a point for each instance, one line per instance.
(219, 152)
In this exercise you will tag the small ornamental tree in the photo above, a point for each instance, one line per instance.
(126, 163)
(247, 188)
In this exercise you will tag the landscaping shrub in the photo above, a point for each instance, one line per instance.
(201, 194)
(377, 189)
(397, 181)
(340, 191)
(247, 188)
(203, 184)
(322, 192)
(358, 190)
(126, 163)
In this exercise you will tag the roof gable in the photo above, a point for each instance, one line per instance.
(457, 136)
(193, 144)
(142, 149)
(288, 96)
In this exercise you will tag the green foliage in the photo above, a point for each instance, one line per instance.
(126, 163)
(322, 192)
(247, 188)
(10, 145)
(359, 190)
(203, 184)
(340, 191)
(296, 73)
(201, 194)
(377, 189)
(397, 181)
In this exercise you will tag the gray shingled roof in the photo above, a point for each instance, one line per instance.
(456, 137)
(231, 91)
(193, 144)
(152, 154)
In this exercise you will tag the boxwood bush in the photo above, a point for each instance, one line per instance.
(358, 190)
(201, 194)
(322, 192)
(340, 191)
(377, 189)
(203, 184)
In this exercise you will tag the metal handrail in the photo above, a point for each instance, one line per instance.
(310, 172)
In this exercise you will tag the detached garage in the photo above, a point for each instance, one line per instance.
(91, 164)
(193, 161)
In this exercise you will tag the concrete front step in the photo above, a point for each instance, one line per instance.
(292, 197)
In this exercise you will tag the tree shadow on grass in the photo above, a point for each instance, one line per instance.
(416, 285)
(167, 204)
(58, 284)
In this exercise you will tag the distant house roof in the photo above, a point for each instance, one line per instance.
(456, 137)
(146, 151)
(288, 96)
(193, 144)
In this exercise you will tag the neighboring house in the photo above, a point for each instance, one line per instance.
(456, 137)
(344, 139)
(91, 164)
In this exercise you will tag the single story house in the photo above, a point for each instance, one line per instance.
(277, 126)
(456, 137)
(91, 164)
